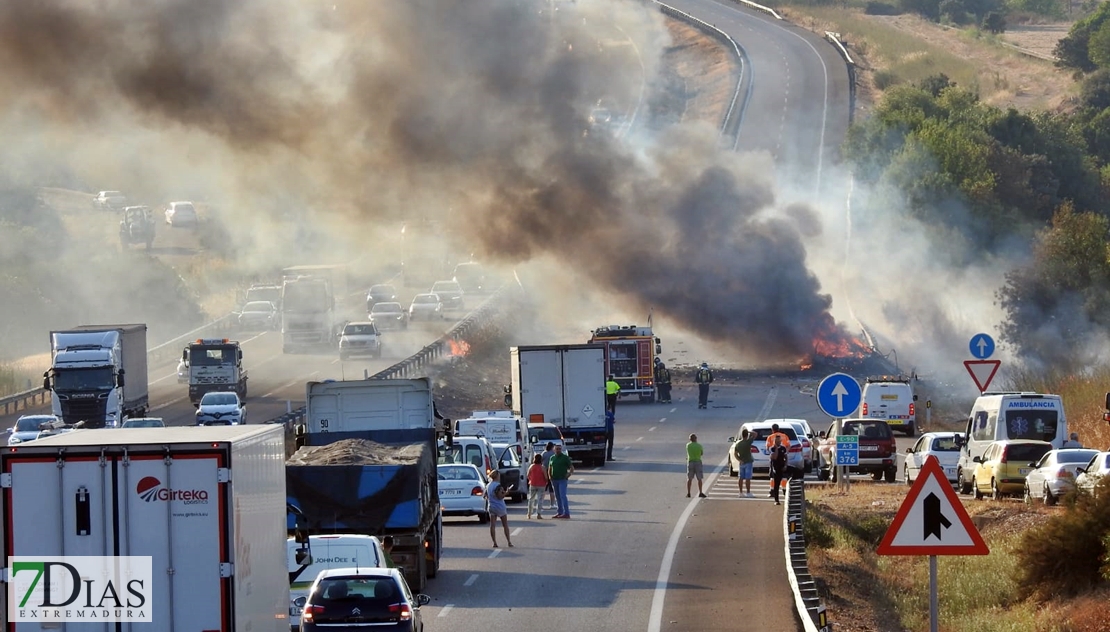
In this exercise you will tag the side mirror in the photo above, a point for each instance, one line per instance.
(732, 439)
(45, 382)
(300, 430)
(1032, 464)
(119, 378)
(303, 557)
(1107, 402)
(505, 464)
(915, 398)
(909, 450)
(423, 600)
(11, 430)
(977, 459)
(185, 354)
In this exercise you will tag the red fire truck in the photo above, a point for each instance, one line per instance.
(630, 353)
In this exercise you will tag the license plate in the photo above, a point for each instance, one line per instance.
(1023, 471)
(450, 492)
(949, 471)
(869, 448)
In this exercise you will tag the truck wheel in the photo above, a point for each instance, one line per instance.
(965, 487)
(822, 474)
(911, 430)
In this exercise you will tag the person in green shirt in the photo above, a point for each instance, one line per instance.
(693, 465)
(387, 547)
(559, 469)
(743, 451)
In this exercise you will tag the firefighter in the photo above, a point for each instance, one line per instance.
(704, 378)
(612, 389)
(663, 383)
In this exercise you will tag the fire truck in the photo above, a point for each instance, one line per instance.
(630, 353)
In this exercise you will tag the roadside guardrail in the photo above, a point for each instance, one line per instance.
(807, 601)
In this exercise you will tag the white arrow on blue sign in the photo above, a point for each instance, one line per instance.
(838, 395)
(981, 346)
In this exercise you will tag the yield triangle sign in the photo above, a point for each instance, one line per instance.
(932, 521)
(982, 371)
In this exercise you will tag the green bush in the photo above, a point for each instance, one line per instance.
(881, 8)
(817, 531)
(869, 528)
(885, 79)
(1066, 555)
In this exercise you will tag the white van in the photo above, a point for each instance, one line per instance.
(892, 400)
(499, 426)
(344, 550)
(1003, 416)
(539, 434)
(477, 451)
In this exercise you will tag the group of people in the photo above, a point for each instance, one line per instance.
(777, 442)
(662, 376)
(550, 472)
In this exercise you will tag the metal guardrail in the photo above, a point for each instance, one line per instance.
(807, 601)
(165, 351)
(842, 48)
(416, 364)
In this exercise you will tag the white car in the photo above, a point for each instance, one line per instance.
(259, 316)
(808, 438)
(389, 316)
(943, 445)
(462, 490)
(109, 201)
(27, 428)
(426, 307)
(360, 339)
(539, 435)
(144, 422)
(1054, 474)
(181, 214)
(1093, 472)
(761, 454)
(450, 294)
(221, 408)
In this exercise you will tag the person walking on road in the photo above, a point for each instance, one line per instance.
(694, 453)
(495, 504)
(776, 433)
(610, 423)
(743, 452)
(703, 378)
(548, 452)
(559, 470)
(537, 483)
(663, 383)
(612, 390)
(778, 467)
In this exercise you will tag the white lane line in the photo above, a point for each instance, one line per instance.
(626, 447)
(673, 409)
(174, 374)
(516, 531)
(640, 439)
(651, 429)
(291, 383)
(663, 420)
(655, 619)
(446, 609)
(494, 553)
(470, 580)
(169, 403)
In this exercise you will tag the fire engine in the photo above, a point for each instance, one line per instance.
(630, 353)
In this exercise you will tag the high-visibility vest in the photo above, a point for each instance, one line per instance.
(612, 388)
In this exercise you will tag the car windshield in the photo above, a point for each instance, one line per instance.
(426, 299)
(31, 424)
(543, 435)
(223, 355)
(386, 308)
(184, 209)
(455, 473)
(218, 399)
(1026, 452)
(382, 290)
(867, 429)
(1039, 424)
(359, 330)
(259, 306)
(945, 444)
(340, 597)
(143, 423)
(1075, 456)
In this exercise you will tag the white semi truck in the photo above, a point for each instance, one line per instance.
(214, 364)
(98, 374)
(312, 306)
(207, 505)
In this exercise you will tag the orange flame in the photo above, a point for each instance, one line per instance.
(459, 348)
(830, 341)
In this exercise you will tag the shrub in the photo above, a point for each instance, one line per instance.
(885, 79)
(881, 8)
(994, 22)
(817, 531)
(869, 528)
(1065, 556)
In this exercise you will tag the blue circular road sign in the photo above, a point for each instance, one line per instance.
(981, 346)
(839, 395)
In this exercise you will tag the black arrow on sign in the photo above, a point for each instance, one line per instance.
(934, 519)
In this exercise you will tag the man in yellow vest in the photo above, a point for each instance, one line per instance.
(612, 389)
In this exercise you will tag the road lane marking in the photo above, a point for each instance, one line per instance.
(446, 609)
(674, 409)
(470, 580)
(626, 447)
(290, 383)
(494, 553)
(663, 420)
(174, 374)
(640, 439)
(515, 531)
(169, 403)
(651, 429)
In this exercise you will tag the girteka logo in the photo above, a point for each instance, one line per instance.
(151, 489)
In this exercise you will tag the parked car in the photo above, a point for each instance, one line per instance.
(808, 438)
(360, 339)
(426, 307)
(27, 428)
(1002, 469)
(540, 434)
(1094, 472)
(450, 294)
(354, 599)
(381, 293)
(514, 470)
(761, 454)
(109, 201)
(877, 449)
(259, 316)
(1055, 473)
(181, 214)
(144, 422)
(389, 316)
(945, 446)
(892, 400)
(221, 408)
(462, 490)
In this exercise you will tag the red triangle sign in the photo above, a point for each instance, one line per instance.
(932, 520)
(982, 371)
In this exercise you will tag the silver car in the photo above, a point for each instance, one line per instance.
(27, 428)
(1054, 474)
(462, 490)
(221, 408)
(1094, 472)
(258, 316)
(426, 307)
(945, 446)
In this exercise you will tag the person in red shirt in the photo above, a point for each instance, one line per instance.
(537, 483)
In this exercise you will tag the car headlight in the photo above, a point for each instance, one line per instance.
(14, 440)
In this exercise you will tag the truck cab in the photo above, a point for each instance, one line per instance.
(214, 364)
(89, 374)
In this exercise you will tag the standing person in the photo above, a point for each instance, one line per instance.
(694, 452)
(1073, 441)
(610, 423)
(778, 467)
(612, 390)
(743, 451)
(537, 483)
(387, 549)
(495, 504)
(783, 438)
(548, 452)
(703, 378)
(559, 470)
(663, 383)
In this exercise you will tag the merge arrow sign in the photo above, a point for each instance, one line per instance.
(982, 371)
